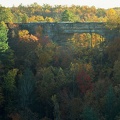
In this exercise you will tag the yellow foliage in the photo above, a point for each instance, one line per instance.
(24, 35)
(113, 19)
(49, 19)
(32, 19)
(111, 12)
(36, 19)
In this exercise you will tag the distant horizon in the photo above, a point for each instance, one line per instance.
(106, 4)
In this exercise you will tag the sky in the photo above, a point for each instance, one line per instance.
(97, 3)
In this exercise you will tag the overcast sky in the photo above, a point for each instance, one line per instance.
(96, 3)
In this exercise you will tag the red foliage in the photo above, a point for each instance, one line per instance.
(84, 81)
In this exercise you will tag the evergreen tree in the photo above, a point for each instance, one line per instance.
(26, 88)
(110, 104)
(67, 16)
(56, 108)
(89, 114)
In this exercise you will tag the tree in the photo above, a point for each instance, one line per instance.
(9, 86)
(49, 19)
(113, 50)
(56, 108)
(111, 108)
(89, 114)
(113, 19)
(44, 53)
(1, 102)
(24, 47)
(26, 95)
(9, 80)
(61, 78)
(3, 37)
(117, 71)
(6, 54)
(35, 19)
(46, 83)
(84, 81)
(26, 87)
(67, 16)
(1, 96)
(75, 108)
(101, 12)
(24, 18)
(5, 14)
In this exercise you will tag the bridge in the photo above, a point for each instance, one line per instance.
(59, 31)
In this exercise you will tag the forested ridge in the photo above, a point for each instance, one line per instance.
(40, 79)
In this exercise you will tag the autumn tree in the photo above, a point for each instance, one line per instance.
(6, 14)
(36, 19)
(113, 19)
(25, 47)
(84, 82)
(49, 19)
(113, 50)
(44, 52)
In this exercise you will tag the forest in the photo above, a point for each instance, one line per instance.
(43, 80)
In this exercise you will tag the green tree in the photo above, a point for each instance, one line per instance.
(110, 104)
(26, 87)
(75, 108)
(117, 71)
(56, 108)
(89, 114)
(6, 54)
(5, 14)
(61, 77)
(67, 16)
(3, 37)
(46, 83)
(24, 18)
(9, 87)
(9, 80)
(1, 96)
(101, 12)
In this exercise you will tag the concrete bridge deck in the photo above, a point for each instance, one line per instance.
(57, 29)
